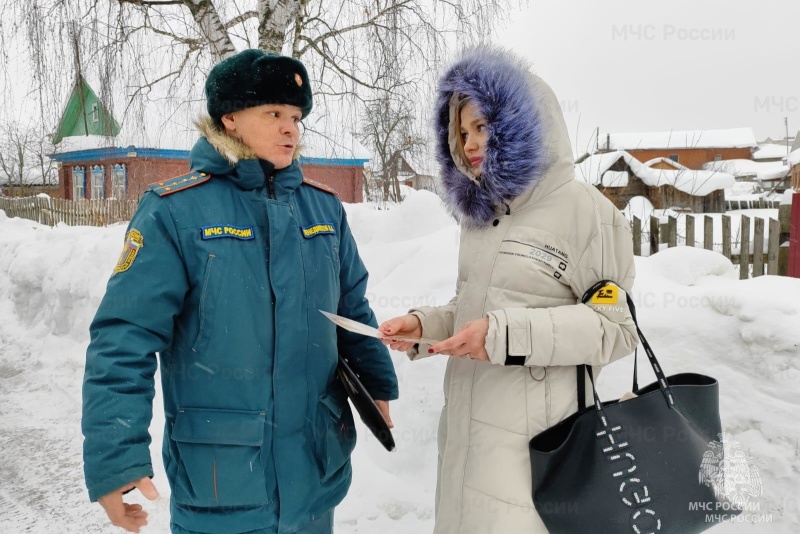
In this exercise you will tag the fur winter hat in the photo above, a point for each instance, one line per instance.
(253, 78)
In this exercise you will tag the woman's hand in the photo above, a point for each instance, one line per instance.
(405, 325)
(469, 342)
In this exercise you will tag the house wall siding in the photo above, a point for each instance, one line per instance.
(694, 158)
(141, 172)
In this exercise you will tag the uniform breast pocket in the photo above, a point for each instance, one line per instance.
(209, 295)
(321, 260)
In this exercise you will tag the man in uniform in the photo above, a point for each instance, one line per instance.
(223, 273)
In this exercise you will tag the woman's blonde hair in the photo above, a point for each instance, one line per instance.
(461, 101)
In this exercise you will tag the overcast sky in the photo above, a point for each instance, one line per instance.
(635, 66)
(626, 65)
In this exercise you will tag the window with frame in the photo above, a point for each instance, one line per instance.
(674, 157)
(98, 182)
(95, 113)
(119, 179)
(717, 157)
(78, 183)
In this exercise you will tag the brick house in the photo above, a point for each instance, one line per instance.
(663, 181)
(689, 148)
(125, 173)
(97, 159)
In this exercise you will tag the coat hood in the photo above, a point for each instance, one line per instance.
(221, 155)
(527, 145)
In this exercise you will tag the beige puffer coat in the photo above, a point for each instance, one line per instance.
(525, 267)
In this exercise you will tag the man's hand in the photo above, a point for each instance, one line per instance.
(405, 325)
(469, 342)
(383, 406)
(131, 517)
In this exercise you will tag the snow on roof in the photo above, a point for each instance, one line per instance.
(770, 151)
(170, 136)
(745, 168)
(731, 138)
(698, 183)
(592, 168)
(794, 158)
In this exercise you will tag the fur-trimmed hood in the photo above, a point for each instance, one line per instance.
(229, 147)
(527, 135)
(222, 155)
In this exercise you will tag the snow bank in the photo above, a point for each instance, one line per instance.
(695, 312)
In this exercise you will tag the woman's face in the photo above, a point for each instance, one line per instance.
(474, 133)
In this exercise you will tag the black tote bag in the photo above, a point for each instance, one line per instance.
(631, 466)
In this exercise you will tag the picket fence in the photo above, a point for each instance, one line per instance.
(51, 211)
(751, 253)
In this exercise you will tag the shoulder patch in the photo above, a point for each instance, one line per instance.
(320, 186)
(134, 241)
(179, 183)
(606, 295)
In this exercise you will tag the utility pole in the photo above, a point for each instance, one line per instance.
(786, 122)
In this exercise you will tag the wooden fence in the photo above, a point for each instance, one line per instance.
(757, 204)
(750, 253)
(51, 211)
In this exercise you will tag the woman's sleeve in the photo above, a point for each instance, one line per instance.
(595, 333)
(437, 323)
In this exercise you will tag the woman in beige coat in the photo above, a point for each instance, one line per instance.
(533, 240)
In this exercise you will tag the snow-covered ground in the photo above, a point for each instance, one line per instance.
(698, 316)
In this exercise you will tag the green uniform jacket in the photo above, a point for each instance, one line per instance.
(223, 273)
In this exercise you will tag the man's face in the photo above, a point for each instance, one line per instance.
(272, 131)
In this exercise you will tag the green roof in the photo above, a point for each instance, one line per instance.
(85, 114)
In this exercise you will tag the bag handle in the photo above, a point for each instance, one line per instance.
(662, 379)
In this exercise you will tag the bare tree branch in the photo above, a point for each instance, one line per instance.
(366, 24)
(152, 2)
(238, 19)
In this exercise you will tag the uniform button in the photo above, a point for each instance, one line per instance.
(496, 222)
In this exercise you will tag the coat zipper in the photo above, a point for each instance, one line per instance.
(271, 186)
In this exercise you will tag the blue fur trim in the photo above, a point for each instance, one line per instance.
(516, 158)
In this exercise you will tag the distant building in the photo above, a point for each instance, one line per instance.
(97, 160)
(794, 162)
(34, 184)
(769, 175)
(116, 172)
(664, 182)
(768, 152)
(690, 149)
(415, 173)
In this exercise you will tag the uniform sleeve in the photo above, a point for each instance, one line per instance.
(368, 356)
(134, 321)
(593, 334)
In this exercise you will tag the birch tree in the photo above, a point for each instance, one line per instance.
(148, 53)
